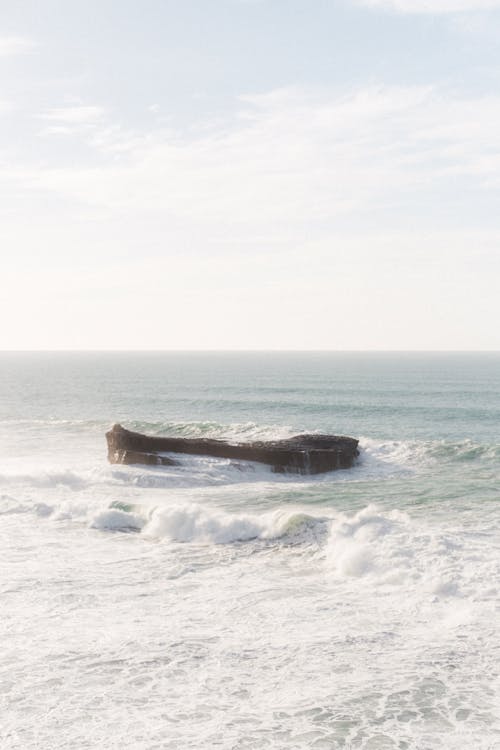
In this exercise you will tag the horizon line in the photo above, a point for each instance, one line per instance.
(248, 351)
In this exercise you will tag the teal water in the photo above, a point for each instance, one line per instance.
(398, 396)
(357, 609)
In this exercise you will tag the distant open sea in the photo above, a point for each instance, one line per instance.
(215, 604)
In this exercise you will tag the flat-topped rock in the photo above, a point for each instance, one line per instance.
(302, 454)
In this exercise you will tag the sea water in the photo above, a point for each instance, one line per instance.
(215, 604)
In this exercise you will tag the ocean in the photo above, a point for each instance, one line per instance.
(216, 604)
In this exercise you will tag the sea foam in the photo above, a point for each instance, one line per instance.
(193, 523)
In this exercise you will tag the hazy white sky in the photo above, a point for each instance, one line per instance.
(250, 174)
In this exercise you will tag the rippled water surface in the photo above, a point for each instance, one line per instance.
(215, 604)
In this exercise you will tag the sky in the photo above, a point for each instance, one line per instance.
(250, 174)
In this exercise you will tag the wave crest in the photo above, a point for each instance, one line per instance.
(115, 519)
(240, 431)
(193, 523)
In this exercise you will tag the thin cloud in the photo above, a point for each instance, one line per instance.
(361, 207)
(74, 115)
(432, 6)
(5, 107)
(15, 45)
(294, 157)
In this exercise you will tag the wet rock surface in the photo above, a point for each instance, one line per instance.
(302, 454)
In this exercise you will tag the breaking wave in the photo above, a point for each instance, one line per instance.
(194, 523)
(400, 456)
(241, 431)
(389, 548)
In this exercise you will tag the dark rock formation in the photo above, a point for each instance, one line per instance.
(303, 454)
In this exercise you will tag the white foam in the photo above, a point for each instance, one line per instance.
(117, 520)
(354, 547)
(237, 431)
(390, 458)
(193, 523)
(389, 548)
(48, 478)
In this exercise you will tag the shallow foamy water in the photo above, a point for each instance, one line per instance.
(215, 604)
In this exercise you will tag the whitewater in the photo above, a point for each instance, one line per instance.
(215, 604)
